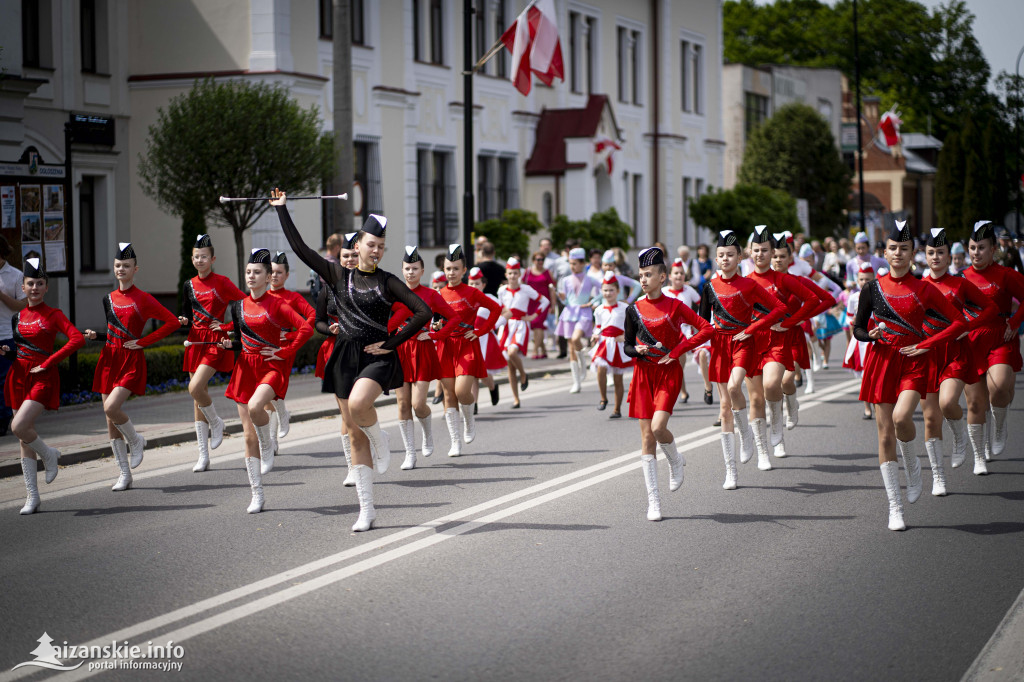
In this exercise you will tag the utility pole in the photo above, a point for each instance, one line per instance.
(344, 170)
(860, 142)
(467, 127)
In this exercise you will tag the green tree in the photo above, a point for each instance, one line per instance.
(237, 139)
(744, 206)
(510, 234)
(949, 185)
(604, 230)
(794, 151)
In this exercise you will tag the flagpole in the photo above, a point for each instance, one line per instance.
(467, 127)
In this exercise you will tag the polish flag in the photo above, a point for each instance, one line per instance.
(604, 147)
(533, 42)
(890, 127)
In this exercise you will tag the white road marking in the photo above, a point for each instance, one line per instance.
(629, 461)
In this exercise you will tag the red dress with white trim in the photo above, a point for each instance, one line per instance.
(208, 299)
(494, 360)
(732, 303)
(461, 356)
(955, 360)
(516, 331)
(127, 313)
(260, 324)
(35, 330)
(419, 358)
(909, 308)
(1001, 285)
(655, 387)
(610, 322)
(800, 302)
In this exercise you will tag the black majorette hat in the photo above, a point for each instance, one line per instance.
(412, 255)
(455, 253)
(375, 225)
(780, 240)
(983, 229)
(260, 256)
(33, 269)
(652, 256)
(728, 238)
(760, 235)
(936, 237)
(281, 258)
(349, 240)
(900, 232)
(202, 242)
(125, 251)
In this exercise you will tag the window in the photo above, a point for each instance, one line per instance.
(436, 32)
(637, 55)
(622, 51)
(629, 55)
(438, 217)
(496, 186)
(36, 41)
(582, 34)
(500, 64)
(638, 197)
(358, 25)
(367, 173)
(417, 52)
(87, 223)
(87, 10)
(684, 89)
(548, 211)
(755, 112)
(686, 210)
(574, 42)
(692, 75)
(698, 65)
(589, 33)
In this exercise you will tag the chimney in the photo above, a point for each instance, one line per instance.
(869, 108)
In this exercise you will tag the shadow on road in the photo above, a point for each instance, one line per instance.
(758, 518)
(994, 528)
(134, 510)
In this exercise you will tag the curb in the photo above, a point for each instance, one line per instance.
(1001, 659)
(234, 427)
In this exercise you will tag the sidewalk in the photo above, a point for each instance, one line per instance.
(81, 434)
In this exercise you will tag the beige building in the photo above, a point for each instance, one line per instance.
(651, 70)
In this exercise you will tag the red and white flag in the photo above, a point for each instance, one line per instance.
(604, 147)
(533, 41)
(890, 127)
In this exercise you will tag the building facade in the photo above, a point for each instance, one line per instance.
(652, 72)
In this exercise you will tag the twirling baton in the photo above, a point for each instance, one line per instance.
(225, 200)
(200, 343)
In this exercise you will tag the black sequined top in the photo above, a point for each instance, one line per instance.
(364, 299)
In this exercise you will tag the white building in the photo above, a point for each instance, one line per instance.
(645, 74)
(751, 95)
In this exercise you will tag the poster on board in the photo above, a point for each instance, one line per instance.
(7, 208)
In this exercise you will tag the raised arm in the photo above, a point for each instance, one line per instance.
(328, 271)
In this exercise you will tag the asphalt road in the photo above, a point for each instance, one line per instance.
(529, 558)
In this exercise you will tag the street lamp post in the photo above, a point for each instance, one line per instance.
(1020, 156)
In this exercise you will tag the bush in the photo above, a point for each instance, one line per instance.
(511, 233)
(604, 230)
(744, 206)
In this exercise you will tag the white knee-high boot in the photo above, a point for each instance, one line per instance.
(976, 434)
(285, 418)
(274, 424)
(999, 430)
(216, 425)
(380, 446)
(346, 446)
(29, 468)
(959, 429)
(50, 457)
(891, 477)
(574, 369)
(649, 465)
(408, 440)
(775, 420)
(202, 437)
(729, 453)
(266, 448)
(809, 388)
(933, 446)
(364, 490)
(760, 430)
(990, 433)
(745, 435)
(468, 423)
(792, 411)
(136, 443)
(124, 481)
(676, 462)
(912, 467)
(451, 418)
(427, 427)
(253, 467)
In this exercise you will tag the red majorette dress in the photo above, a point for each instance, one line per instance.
(1001, 285)
(800, 302)
(208, 299)
(127, 312)
(260, 323)
(419, 358)
(461, 356)
(954, 360)
(326, 315)
(299, 304)
(494, 359)
(610, 323)
(732, 303)
(909, 309)
(798, 336)
(35, 330)
(516, 331)
(655, 387)
(856, 350)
